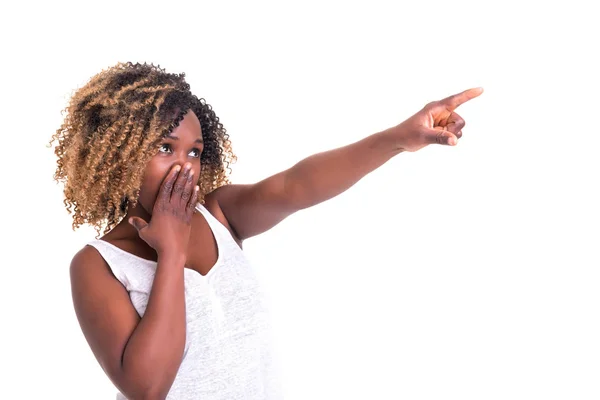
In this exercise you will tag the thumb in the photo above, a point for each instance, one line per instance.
(434, 136)
(137, 223)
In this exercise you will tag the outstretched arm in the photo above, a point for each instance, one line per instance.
(255, 208)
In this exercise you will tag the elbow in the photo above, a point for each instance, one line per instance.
(154, 392)
(136, 386)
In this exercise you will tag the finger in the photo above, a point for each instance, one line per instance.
(193, 199)
(167, 185)
(181, 182)
(187, 190)
(456, 100)
(454, 123)
(433, 136)
(137, 223)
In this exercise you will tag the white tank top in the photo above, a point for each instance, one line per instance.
(228, 353)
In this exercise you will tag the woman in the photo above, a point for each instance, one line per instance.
(165, 298)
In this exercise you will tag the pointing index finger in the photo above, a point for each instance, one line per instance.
(452, 102)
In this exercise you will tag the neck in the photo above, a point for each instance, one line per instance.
(124, 230)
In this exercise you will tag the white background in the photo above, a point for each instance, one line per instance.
(469, 272)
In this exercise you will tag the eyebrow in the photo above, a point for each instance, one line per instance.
(199, 140)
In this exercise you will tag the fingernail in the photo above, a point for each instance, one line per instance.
(177, 168)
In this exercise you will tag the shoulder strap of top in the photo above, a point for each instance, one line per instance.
(114, 258)
(215, 225)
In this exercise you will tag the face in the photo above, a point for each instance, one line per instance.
(183, 145)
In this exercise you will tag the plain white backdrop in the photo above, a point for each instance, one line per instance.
(469, 272)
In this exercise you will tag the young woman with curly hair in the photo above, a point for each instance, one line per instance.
(165, 297)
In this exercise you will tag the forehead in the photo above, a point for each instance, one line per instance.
(189, 126)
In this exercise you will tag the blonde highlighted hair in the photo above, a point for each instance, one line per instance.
(114, 125)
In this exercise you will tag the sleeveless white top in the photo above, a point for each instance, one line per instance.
(228, 352)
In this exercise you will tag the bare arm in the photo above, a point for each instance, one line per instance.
(256, 208)
(141, 356)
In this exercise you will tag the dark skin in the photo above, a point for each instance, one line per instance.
(142, 355)
(181, 148)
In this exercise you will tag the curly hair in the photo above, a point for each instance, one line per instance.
(114, 125)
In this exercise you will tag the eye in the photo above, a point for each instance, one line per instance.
(167, 146)
(162, 146)
(198, 152)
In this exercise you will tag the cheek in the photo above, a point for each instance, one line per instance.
(151, 184)
(197, 170)
(147, 196)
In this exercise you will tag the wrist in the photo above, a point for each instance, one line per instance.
(173, 257)
(388, 141)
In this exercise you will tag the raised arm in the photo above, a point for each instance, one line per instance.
(255, 208)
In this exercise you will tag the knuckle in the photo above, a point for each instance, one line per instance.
(168, 186)
(431, 104)
(439, 139)
(162, 206)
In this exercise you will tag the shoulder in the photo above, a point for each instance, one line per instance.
(88, 264)
(86, 258)
(211, 203)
